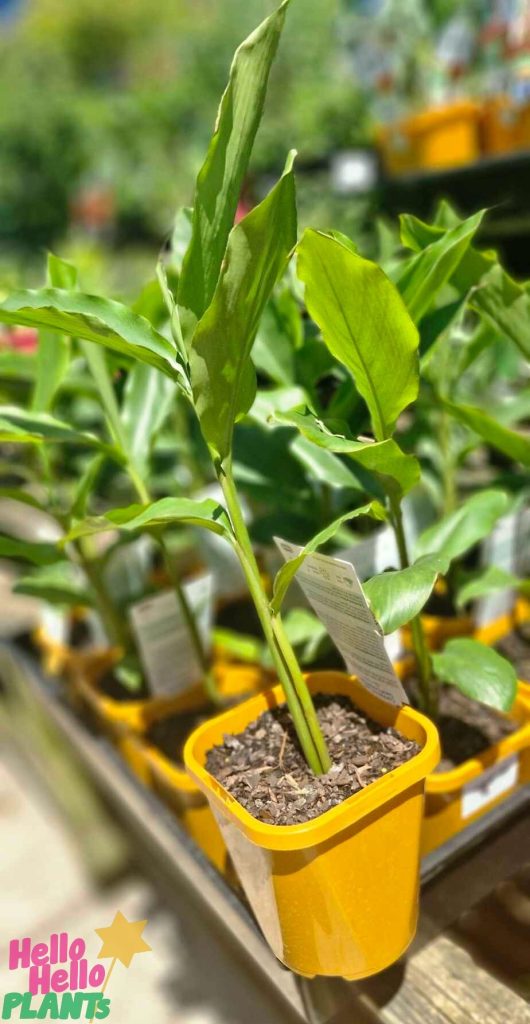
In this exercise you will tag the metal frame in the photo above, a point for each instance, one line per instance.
(167, 852)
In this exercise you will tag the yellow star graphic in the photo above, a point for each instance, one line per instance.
(122, 939)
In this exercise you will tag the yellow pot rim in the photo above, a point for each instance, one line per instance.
(360, 805)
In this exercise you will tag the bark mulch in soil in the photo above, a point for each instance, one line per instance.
(265, 770)
(516, 648)
(467, 728)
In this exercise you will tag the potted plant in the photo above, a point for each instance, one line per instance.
(227, 276)
(351, 300)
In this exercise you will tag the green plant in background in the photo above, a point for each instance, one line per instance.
(132, 427)
(367, 325)
(226, 278)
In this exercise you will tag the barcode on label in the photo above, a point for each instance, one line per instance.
(166, 650)
(489, 786)
(333, 590)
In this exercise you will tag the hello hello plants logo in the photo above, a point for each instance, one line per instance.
(60, 983)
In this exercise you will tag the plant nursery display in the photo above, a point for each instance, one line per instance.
(292, 400)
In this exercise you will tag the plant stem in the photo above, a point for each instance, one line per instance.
(298, 698)
(448, 469)
(428, 694)
(114, 622)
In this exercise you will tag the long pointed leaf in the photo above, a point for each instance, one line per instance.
(478, 672)
(222, 375)
(365, 325)
(456, 533)
(383, 458)
(92, 318)
(396, 597)
(221, 176)
(207, 514)
(512, 444)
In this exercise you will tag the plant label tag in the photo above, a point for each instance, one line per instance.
(500, 550)
(333, 590)
(165, 647)
(55, 624)
(489, 786)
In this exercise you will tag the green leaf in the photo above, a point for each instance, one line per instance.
(147, 399)
(97, 364)
(268, 403)
(478, 672)
(53, 354)
(85, 487)
(324, 467)
(37, 427)
(306, 633)
(222, 375)
(426, 273)
(286, 574)
(58, 584)
(36, 552)
(487, 581)
(207, 514)
(506, 306)
(383, 458)
(454, 534)
(396, 597)
(17, 494)
(514, 445)
(18, 366)
(238, 645)
(273, 352)
(91, 318)
(221, 176)
(365, 325)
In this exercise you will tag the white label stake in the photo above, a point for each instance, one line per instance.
(490, 785)
(165, 646)
(336, 596)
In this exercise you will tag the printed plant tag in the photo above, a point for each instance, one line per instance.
(498, 549)
(55, 624)
(489, 786)
(166, 651)
(335, 594)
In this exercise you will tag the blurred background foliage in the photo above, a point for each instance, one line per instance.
(108, 108)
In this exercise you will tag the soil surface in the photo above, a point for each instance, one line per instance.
(265, 770)
(466, 728)
(169, 734)
(110, 686)
(516, 648)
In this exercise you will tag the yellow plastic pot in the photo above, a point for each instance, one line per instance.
(459, 797)
(456, 798)
(446, 136)
(126, 723)
(55, 656)
(440, 628)
(336, 896)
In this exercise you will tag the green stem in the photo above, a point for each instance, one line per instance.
(298, 698)
(448, 469)
(110, 615)
(428, 694)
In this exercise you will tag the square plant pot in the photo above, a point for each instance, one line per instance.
(337, 895)
(458, 798)
(126, 723)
